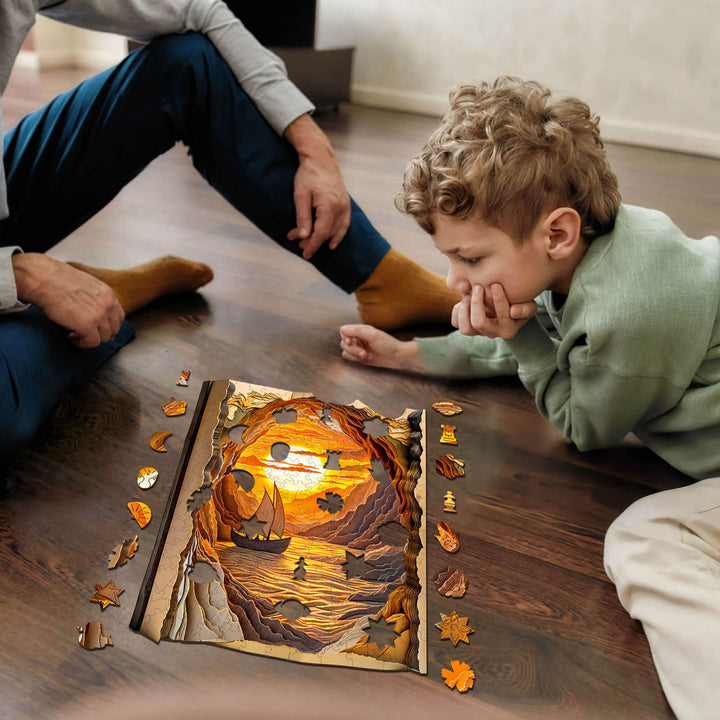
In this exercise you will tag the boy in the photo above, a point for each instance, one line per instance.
(608, 314)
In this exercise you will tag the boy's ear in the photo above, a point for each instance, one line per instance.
(562, 229)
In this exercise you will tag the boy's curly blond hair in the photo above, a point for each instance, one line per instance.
(505, 153)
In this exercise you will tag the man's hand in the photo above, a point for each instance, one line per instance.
(80, 303)
(319, 186)
(472, 315)
(369, 346)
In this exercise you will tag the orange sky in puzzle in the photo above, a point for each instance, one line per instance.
(306, 436)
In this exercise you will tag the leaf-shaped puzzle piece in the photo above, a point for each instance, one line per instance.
(141, 512)
(94, 636)
(447, 408)
(184, 377)
(122, 552)
(331, 503)
(174, 407)
(454, 628)
(157, 440)
(449, 540)
(460, 676)
(147, 477)
(107, 594)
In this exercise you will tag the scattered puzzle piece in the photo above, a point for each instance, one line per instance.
(122, 552)
(376, 427)
(279, 451)
(107, 594)
(333, 460)
(285, 416)
(448, 435)
(141, 512)
(451, 583)
(94, 636)
(447, 408)
(157, 440)
(449, 540)
(146, 477)
(449, 502)
(184, 377)
(244, 479)
(450, 466)
(460, 676)
(174, 407)
(454, 628)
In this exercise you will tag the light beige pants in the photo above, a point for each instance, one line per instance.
(663, 554)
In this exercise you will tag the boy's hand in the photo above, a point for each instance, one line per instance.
(490, 314)
(369, 346)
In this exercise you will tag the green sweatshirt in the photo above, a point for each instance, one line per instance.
(634, 348)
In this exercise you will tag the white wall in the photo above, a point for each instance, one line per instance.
(58, 45)
(650, 68)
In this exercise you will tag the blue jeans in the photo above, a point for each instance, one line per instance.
(67, 160)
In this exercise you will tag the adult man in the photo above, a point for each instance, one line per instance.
(249, 133)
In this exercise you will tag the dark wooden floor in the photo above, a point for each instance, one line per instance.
(551, 639)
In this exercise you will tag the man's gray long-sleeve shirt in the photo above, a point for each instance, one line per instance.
(261, 73)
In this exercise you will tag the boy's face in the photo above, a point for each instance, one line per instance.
(484, 255)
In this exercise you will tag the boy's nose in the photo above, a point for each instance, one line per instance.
(455, 281)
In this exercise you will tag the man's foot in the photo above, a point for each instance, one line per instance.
(137, 286)
(400, 292)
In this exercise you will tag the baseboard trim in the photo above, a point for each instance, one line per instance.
(618, 130)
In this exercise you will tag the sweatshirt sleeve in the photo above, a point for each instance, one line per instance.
(464, 356)
(582, 387)
(260, 72)
(8, 291)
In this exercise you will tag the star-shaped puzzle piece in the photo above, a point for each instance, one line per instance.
(107, 594)
(454, 628)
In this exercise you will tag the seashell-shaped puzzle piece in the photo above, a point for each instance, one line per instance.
(157, 440)
(141, 512)
(450, 582)
(94, 636)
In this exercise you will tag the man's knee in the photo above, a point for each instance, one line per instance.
(16, 424)
(175, 52)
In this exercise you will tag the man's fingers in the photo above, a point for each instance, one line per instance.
(303, 213)
(320, 233)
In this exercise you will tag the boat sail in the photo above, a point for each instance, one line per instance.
(272, 514)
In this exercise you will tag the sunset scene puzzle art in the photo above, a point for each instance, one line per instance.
(296, 530)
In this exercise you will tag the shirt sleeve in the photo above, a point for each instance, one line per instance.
(464, 356)
(584, 391)
(8, 291)
(260, 72)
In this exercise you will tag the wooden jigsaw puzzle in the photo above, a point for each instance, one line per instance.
(295, 529)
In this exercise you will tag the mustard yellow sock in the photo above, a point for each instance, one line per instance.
(137, 286)
(400, 292)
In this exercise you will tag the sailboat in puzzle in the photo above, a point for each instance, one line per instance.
(272, 514)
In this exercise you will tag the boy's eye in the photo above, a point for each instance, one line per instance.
(469, 260)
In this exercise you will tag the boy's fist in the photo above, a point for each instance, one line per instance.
(490, 313)
(370, 346)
